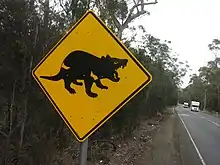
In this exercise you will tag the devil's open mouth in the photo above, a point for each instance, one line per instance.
(115, 74)
(115, 77)
(124, 64)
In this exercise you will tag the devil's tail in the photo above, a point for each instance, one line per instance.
(57, 77)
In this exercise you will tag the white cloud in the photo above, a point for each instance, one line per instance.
(190, 25)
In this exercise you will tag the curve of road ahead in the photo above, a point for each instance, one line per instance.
(204, 132)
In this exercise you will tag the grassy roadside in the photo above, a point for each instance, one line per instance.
(211, 113)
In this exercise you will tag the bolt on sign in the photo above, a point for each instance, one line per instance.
(89, 75)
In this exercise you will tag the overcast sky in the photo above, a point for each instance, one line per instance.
(189, 24)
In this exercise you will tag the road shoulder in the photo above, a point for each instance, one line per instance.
(162, 149)
(170, 145)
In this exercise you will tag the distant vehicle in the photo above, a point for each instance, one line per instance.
(185, 105)
(195, 106)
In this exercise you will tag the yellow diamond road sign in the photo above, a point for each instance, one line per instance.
(89, 75)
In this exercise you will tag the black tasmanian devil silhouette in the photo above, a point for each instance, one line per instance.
(79, 65)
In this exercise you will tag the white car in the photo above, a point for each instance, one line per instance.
(194, 108)
(185, 105)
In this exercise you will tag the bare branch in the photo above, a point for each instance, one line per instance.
(135, 3)
(11, 107)
(142, 6)
(4, 134)
(36, 35)
(61, 5)
(23, 123)
(131, 17)
(115, 20)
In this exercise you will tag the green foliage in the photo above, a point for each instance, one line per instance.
(215, 45)
(31, 132)
(205, 87)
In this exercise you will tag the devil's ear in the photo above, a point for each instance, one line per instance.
(108, 56)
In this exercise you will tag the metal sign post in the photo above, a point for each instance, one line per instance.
(83, 152)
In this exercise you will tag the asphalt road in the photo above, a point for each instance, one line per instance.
(203, 132)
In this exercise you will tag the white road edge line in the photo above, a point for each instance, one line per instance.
(197, 150)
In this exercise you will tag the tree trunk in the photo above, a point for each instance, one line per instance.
(46, 15)
(120, 31)
(11, 108)
(218, 98)
(46, 19)
(204, 107)
(10, 123)
(73, 9)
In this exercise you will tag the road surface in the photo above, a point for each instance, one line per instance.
(204, 133)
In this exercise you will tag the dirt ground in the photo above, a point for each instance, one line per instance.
(139, 148)
(164, 149)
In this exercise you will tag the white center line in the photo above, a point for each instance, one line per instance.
(212, 122)
(207, 120)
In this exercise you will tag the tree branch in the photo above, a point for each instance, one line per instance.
(115, 20)
(135, 3)
(131, 17)
(66, 11)
(11, 107)
(4, 134)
